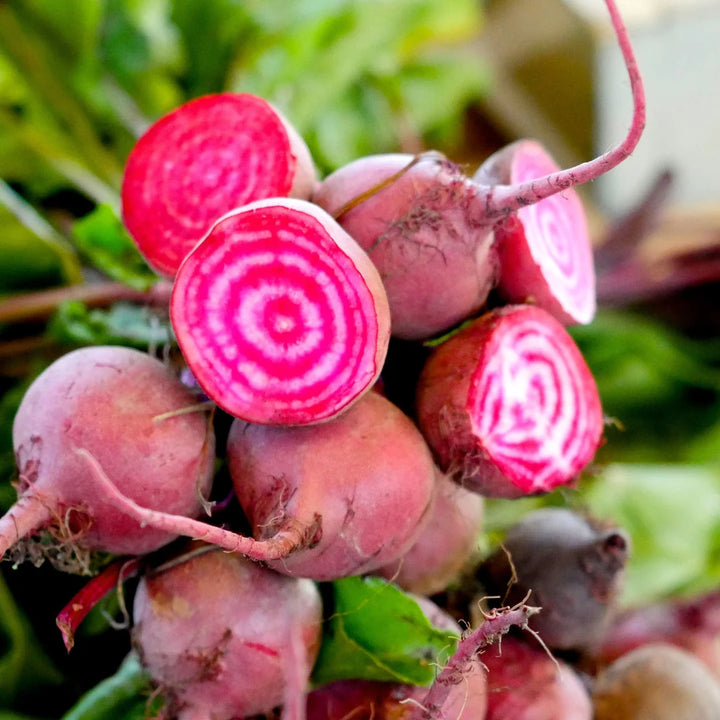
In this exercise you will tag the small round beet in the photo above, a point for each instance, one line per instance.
(573, 569)
(656, 682)
(367, 474)
(124, 411)
(224, 637)
(446, 544)
(200, 161)
(424, 229)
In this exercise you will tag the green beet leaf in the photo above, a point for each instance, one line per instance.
(103, 240)
(122, 324)
(377, 632)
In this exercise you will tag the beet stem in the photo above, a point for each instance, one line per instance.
(27, 515)
(497, 623)
(288, 539)
(70, 617)
(505, 199)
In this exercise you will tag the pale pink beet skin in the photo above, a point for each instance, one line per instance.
(280, 315)
(526, 683)
(546, 255)
(426, 232)
(107, 403)
(200, 161)
(367, 474)
(508, 404)
(446, 544)
(224, 637)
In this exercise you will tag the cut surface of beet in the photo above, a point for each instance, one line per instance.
(545, 250)
(280, 315)
(509, 405)
(200, 161)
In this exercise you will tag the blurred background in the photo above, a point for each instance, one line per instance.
(82, 79)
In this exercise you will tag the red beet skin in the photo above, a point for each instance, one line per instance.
(545, 251)
(509, 405)
(526, 683)
(202, 160)
(280, 314)
(425, 230)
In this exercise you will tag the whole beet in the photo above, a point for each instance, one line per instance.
(656, 682)
(224, 637)
(573, 569)
(126, 412)
(423, 225)
(367, 475)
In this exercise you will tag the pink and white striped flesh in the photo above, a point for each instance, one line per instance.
(509, 406)
(545, 251)
(280, 314)
(200, 161)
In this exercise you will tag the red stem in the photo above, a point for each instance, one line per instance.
(70, 617)
(286, 540)
(495, 626)
(504, 199)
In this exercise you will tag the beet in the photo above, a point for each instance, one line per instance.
(571, 566)
(446, 544)
(200, 161)
(223, 637)
(509, 405)
(656, 682)
(426, 232)
(124, 411)
(526, 683)
(368, 474)
(545, 251)
(280, 315)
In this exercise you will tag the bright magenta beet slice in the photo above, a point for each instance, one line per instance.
(545, 250)
(509, 405)
(280, 314)
(202, 160)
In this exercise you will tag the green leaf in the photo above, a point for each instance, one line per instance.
(377, 632)
(123, 324)
(101, 237)
(672, 513)
(124, 695)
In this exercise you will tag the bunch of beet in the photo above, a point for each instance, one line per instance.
(292, 299)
